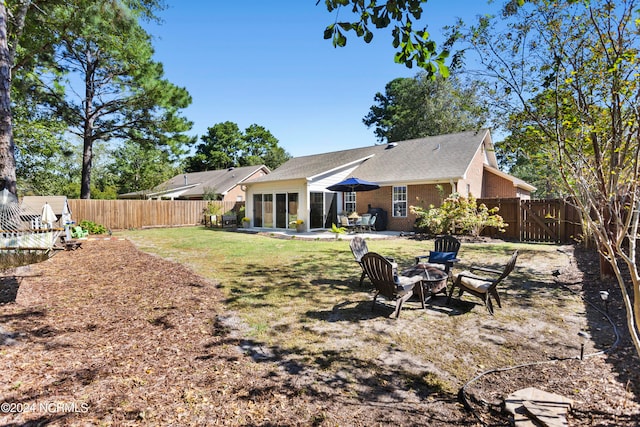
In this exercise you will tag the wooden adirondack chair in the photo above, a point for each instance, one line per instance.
(442, 245)
(480, 286)
(387, 282)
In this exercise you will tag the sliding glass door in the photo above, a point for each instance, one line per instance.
(323, 209)
(281, 211)
(266, 213)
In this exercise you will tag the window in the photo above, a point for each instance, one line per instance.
(350, 201)
(400, 201)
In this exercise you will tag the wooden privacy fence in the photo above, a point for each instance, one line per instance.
(553, 221)
(127, 214)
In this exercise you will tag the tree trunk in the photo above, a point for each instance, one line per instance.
(606, 269)
(87, 154)
(87, 133)
(7, 148)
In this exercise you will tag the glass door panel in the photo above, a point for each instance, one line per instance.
(257, 210)
(267, 211)
(293, 209)
(331, 206)
(281, 211)
(316, 213)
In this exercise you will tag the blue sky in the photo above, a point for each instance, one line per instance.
(266, 62)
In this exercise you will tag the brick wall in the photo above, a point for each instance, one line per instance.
(233, 194)
(474, 177)
(418, 195)
(498, 187)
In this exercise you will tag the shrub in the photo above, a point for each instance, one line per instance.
(212, 209)
(458, 215)
(92, 227)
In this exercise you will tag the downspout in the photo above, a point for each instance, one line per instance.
(453, 186)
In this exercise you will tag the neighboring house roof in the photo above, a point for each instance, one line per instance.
(423, 160)
(194, 184)
(35, 203)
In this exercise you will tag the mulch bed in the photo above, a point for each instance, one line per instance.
(111, 336)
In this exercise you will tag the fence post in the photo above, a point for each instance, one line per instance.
(520, 219)
(562, 226)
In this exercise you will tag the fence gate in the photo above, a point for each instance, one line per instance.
(541, 221)
(555, 221)
(550, 221)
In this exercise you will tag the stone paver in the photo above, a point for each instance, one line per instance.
(547, 409)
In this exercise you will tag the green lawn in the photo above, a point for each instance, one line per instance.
(301, 300)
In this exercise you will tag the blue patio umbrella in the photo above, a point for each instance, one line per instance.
(353, 184)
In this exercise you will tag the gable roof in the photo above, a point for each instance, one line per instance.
(194, 184)
(306, 167)
(430, 159)
(35, 203)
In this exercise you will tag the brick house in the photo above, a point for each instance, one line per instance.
(408, 172)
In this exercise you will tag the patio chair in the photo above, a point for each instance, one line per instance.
(387, 282)
(363, 223)
(344, 222)
(369, 224)
(444, 255)
(78, 232)
(483, 287)
(372, 223)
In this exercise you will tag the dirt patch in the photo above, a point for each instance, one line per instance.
(109, 335)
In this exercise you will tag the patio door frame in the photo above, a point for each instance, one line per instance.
(324, 212)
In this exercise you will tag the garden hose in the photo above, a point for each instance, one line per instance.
(462, 393)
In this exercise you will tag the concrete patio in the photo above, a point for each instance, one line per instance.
(321, 234)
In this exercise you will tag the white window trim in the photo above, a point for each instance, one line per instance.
(394, 201)
(346, 201)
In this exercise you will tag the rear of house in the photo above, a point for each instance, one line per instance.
(416, 172)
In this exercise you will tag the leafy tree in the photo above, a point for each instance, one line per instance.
(124, 95)
(135, 168)
(8, 46)
(29, 36)
(259, 145)
(423, 106)
(219, 149)
(413, 46)
(44, 160)
(525, 158)
(225, 145)
(569, 69)
(275, 157)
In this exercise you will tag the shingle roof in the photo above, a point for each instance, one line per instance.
(194, 184)
(221, 180)
(35, 203)
(310, 166)
(434, 158)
